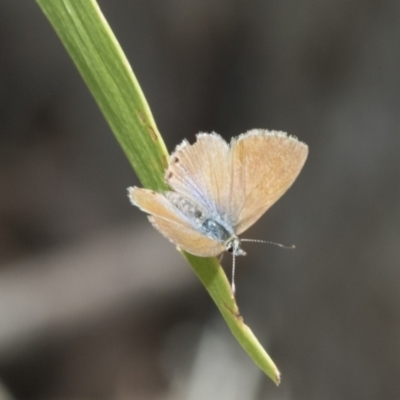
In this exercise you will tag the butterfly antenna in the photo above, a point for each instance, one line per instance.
(269, 242)
(233, 274)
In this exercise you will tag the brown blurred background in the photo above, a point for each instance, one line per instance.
(95, 304)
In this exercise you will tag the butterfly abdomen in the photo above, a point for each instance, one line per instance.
(215, 230)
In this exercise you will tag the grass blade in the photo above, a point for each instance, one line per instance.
(100, 60)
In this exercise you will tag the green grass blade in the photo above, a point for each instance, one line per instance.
(96, 53)
(214, 279)
(106, 71)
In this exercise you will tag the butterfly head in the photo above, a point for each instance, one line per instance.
(233, 246)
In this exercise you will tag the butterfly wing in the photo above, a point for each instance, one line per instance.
(264, 165)
(186, 238)
(172, 224)
(201, 172)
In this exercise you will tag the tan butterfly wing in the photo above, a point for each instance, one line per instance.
(166, 219)
(264, 166)
(186, 238)
(201, 172)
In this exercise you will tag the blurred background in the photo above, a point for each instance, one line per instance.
(95, 304)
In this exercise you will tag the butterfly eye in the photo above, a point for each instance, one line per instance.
(230, 248)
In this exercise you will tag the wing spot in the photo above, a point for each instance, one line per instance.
(176, 160)
(169, 174)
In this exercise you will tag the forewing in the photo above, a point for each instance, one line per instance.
(172, 224)
(186, 238)
(153, 203)
(264, 166)
(202, 172)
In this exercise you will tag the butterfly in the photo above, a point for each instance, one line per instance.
(218, 190)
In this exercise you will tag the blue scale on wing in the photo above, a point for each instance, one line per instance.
(201, 172)
(199, 218)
